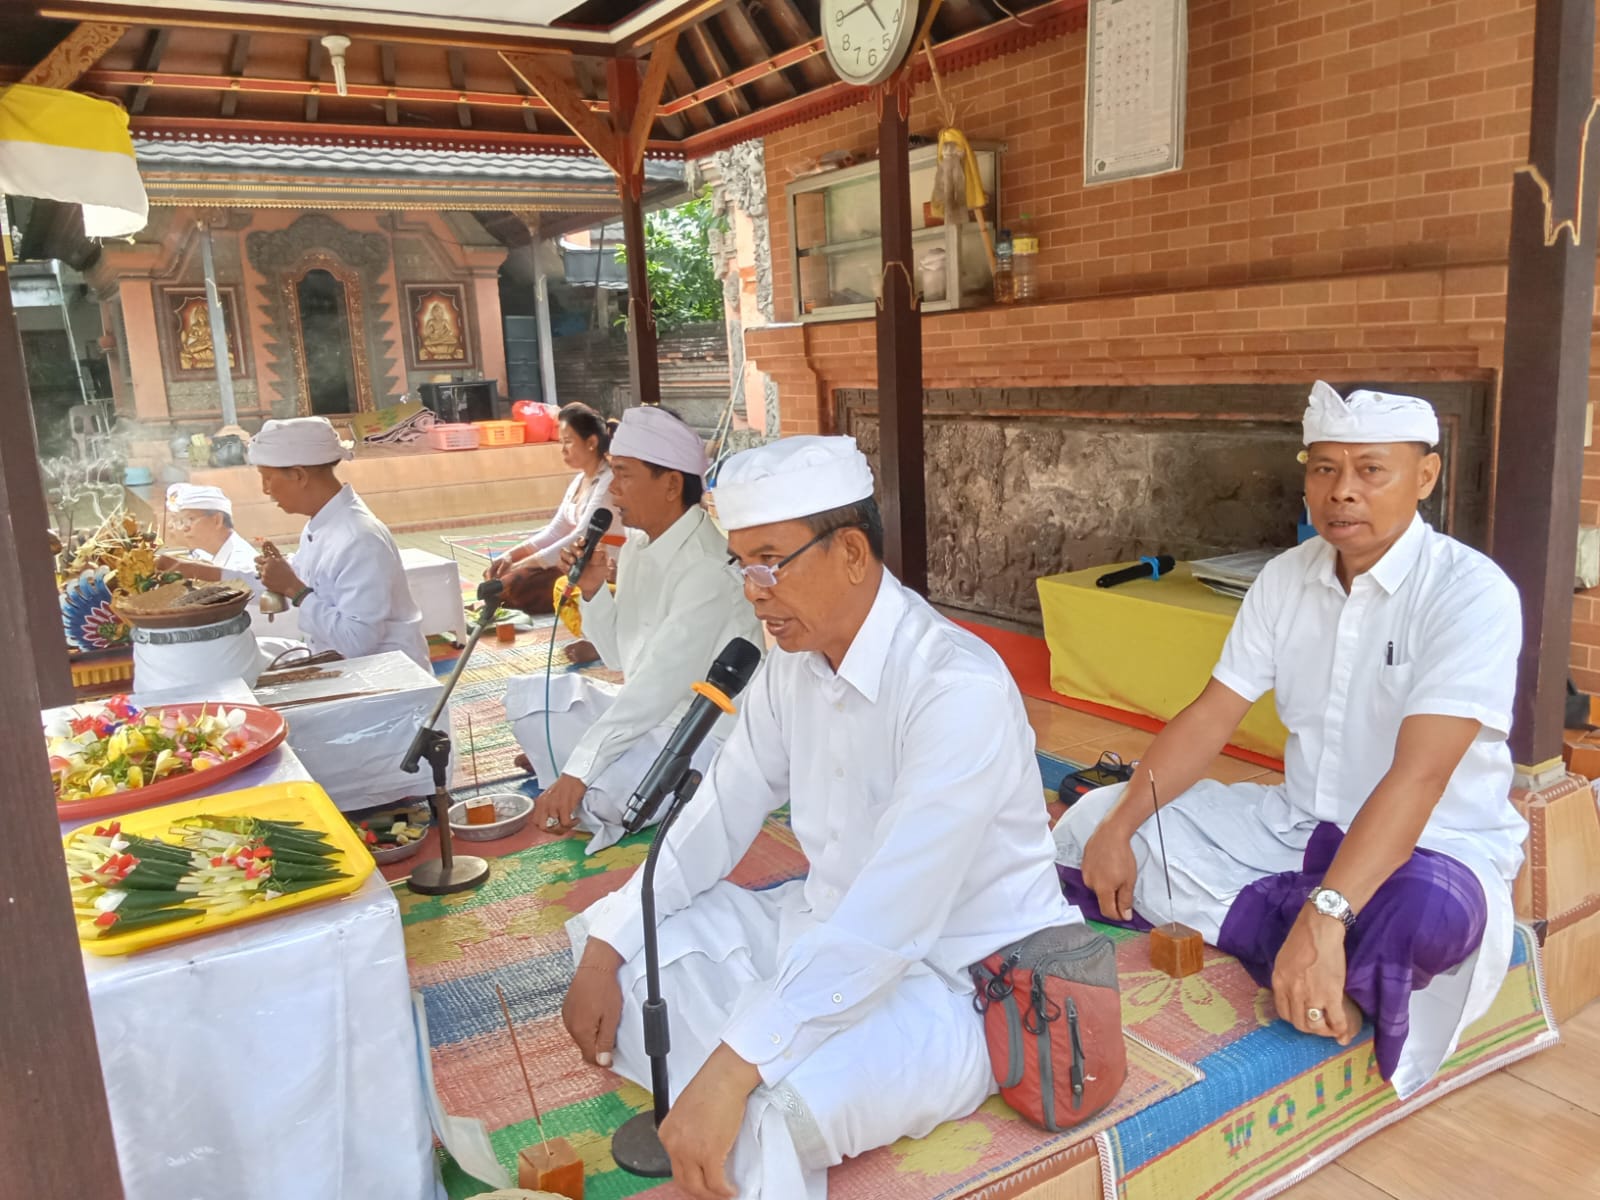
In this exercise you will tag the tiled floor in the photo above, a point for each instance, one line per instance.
(1083, 737)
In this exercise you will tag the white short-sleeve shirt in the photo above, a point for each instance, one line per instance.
(1433, 628)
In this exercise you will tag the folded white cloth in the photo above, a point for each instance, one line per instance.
(199, 498)
(788, 479)
(653, 435)
(298, 442)
(1366, 416)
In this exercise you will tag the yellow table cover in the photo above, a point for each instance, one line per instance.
(1145, 647)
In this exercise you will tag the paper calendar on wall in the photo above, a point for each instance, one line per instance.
(1134, 88)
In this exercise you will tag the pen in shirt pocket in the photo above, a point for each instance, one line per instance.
(1388, 655)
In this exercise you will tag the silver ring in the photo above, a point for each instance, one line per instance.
(552, 822)
(1313, 1015)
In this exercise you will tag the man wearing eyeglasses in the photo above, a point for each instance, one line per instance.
(832, 1014)
(591, 742)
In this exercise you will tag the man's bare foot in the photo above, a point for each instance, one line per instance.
(522, 764)
(581, 652)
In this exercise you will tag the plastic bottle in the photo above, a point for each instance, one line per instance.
(1003, 290)
(1024, 262)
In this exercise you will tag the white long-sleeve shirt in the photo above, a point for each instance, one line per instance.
(235, 554)
(571, 518)
(677, 605)
(360, 603)
(915, 796)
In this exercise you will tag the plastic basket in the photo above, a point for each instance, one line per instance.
(500, 433)
(453, 437)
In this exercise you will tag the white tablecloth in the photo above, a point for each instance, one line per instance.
(353, 746)
(435, 585)
(277, 1059)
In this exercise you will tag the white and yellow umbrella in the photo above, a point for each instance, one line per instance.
(57, 145)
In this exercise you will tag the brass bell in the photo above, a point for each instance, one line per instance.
(273, 603)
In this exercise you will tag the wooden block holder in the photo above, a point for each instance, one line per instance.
(1177, 950)
(553, 1166)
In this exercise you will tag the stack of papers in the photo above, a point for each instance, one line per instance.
(1232, 574)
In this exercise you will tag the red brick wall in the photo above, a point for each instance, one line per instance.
(1342, 213)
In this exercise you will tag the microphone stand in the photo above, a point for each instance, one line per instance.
(448, 874)
(637, 1145)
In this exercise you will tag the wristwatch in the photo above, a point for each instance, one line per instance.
(1331, 904)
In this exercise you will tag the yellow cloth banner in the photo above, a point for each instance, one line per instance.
(1145, 647)
(57, 145)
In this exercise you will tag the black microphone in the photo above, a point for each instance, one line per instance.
(1148, 567)
(726, 679)
(598, 524)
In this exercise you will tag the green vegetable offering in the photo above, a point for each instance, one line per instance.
(213, 864)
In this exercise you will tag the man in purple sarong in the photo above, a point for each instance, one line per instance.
(1374, 883)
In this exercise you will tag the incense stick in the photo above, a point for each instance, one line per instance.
(538, 1120)
(1161, 837)
(472, 752)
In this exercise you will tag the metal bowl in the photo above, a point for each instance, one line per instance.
(384, 855)
(511, 810)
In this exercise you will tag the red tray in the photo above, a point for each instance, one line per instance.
(265, 728)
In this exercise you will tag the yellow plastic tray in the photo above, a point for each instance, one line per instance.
(303, 802)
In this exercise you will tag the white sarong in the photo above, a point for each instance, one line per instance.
(915, 1061)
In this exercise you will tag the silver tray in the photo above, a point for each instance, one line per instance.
(511, 808)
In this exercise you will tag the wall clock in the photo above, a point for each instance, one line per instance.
(868, 39)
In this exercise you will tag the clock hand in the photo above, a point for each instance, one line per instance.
(867, 4)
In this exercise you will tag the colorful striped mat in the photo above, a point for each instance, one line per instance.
(1277, 1105)
(1223, 1101)
(511, 932)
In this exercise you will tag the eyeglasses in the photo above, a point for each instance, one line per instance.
(764, 576)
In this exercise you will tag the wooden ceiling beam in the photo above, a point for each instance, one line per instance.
(386, 72)
(237, 58)
(457, 61)
(551, 78)
(314, 74)
(172, 80)
(793, 27)
(155, 45)
(683, 85)
(778, 62)
(715, 67)
(74, 55)
(662, 57)
(770, 87)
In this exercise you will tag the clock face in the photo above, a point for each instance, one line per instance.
(867, 39)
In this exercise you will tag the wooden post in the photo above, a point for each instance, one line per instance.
(900, 475)
(644, 368)
(56, 1138)
(1545, 388)
(220, 348)
(29, 524)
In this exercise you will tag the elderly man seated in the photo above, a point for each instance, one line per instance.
(833, 1014)
(201, 517)
(346, 577)
(589, 742)
(1375, 882)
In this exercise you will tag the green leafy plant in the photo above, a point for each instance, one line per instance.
(684, 287)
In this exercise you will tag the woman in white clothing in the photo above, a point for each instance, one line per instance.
(530, 569)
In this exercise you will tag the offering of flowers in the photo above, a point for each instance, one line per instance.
(122, 747)
(115, 562)
(123, 882)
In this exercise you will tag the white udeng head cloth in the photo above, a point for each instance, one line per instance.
(654, 435)
(788, 479)
(1366, 417)
(298, 442)
(199, 498)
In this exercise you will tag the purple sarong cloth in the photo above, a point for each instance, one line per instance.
(1427, 917)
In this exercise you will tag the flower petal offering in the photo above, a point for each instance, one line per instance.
(99, 755)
